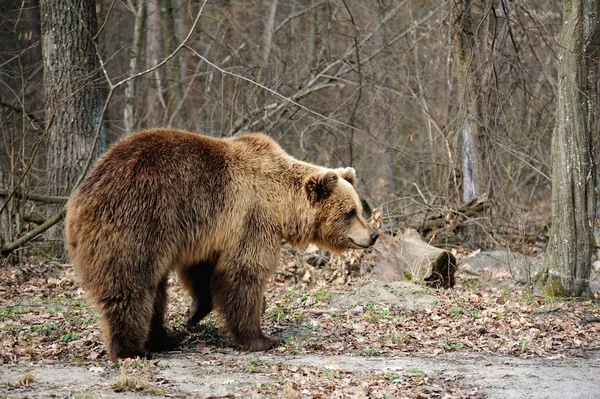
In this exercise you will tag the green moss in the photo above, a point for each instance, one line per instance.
(555, 288)
(550, 287)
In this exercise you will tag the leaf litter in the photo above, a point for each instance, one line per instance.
(321, 306)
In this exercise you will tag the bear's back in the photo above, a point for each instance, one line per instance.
(154, 184)
(161, 182)
(156, 157)
(160, 157)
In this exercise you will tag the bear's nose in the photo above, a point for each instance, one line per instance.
(374, 237)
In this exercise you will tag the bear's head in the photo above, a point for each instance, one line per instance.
(339, 223)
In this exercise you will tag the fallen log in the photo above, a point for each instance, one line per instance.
(469, 210)
(406, 256)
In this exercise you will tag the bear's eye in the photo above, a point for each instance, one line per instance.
(352, 213)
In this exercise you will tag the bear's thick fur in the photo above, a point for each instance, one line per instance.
(214, 211)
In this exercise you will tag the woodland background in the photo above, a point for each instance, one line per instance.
(435, 103)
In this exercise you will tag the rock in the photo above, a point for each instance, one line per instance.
(523, 268)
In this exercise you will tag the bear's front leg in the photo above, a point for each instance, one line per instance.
(195, 279)
(240, 298)
(200, 307)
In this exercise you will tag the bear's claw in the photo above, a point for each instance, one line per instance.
(260, 344)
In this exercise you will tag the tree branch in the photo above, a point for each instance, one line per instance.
(289, 100)
(19, 242)
(31, 117)
(46, 199)
(34, 150)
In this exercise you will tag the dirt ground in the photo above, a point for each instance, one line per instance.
(243, 375)
(489, 337)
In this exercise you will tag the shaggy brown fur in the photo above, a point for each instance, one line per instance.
(213, 210)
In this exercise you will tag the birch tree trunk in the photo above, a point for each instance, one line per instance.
(468, 119)
(73, 100)
(267, 71)
(567, 267)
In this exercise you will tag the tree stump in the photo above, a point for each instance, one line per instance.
(407, 257)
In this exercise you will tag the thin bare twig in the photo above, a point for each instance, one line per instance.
(37, 124)
(105, 21)
(297, 14)
(287, 99)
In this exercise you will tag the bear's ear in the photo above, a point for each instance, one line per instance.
(320, 186)
(348, 174)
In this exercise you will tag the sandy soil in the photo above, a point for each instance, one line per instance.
(231, 375)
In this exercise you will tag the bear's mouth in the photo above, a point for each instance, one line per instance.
(359, 245)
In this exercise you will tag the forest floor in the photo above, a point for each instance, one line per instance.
(343, 335)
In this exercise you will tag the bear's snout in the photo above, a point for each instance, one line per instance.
(374, 237)
(363, 237)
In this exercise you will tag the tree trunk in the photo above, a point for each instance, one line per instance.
(269, 29)
(567, 267)
(155, 105)
(139, 7)
(312, 36)
(72, 97)
(182, 25)
(268, 69)
(5, 216)
(468, 126)
(176, 113)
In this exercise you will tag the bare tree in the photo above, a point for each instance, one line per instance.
(269, 28)
(138, 7)
(72, 96)
(153, 93)
(176, 114)
(567, 267)
(20, 80)
(468, 120)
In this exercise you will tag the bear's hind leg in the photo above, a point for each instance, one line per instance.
(126, 323)
(159, 339)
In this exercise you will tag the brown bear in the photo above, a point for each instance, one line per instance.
(212, 210)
